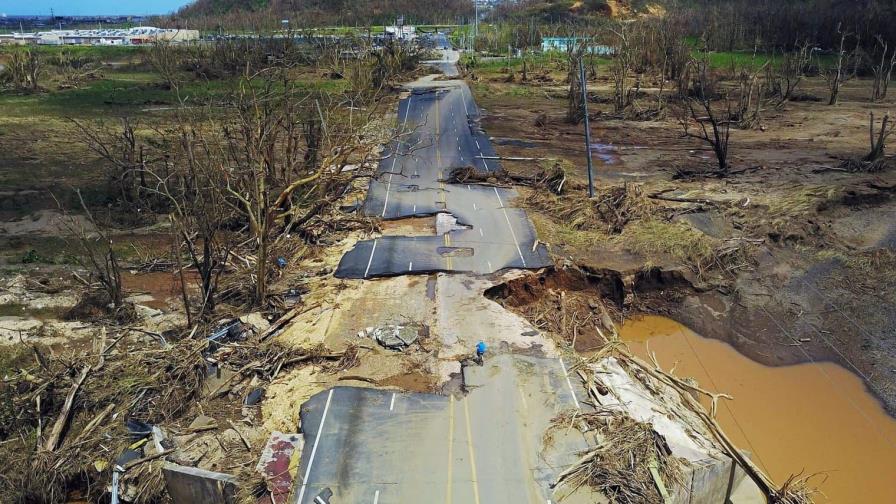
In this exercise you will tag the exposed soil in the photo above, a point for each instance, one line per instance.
(813, 278)
(411, 382)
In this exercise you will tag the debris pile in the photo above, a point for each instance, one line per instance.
(87, 423)
(633, 464)
(393, 337)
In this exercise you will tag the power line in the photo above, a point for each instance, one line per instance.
(827, 376)
(724, 403)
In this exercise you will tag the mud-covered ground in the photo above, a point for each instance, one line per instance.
(812, 275)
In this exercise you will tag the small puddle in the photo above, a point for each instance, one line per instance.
(608, 154)
(818, 418)
(163, 286)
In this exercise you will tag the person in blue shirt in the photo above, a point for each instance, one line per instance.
(480, 351)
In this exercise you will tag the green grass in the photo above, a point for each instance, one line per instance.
(100, 53)
(37, 249)
(747, 59)
(130, 92)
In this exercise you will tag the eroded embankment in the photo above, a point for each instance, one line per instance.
(809, 418)
(816, 418)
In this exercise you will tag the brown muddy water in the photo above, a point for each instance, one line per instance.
(163, 286)
(814, 418)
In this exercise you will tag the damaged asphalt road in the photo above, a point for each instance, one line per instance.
(368, 445)
(439, 122)
(489, 445)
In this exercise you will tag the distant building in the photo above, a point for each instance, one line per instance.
(401, 32)
(563, 44)
(131, 36)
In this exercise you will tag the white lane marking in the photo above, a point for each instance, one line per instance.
(392, 403)
(376, 497)
(463, 100)
(474, 206)
(480, 232)
(468, 187)
(318, 500)
(395, 156)
(388, 189)
(571, 391)
(519, 251)
(477, 146)
(410, 268)
(320, 428)
(490, 266)
(370, 261)
(415, 208)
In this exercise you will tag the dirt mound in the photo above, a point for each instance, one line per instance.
(579, 305)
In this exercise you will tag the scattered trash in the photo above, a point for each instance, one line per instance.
(278, 463)
(281, 262)
(202, 423)
(445, 223)
(254, 397)
(137, 429)
(393, 337)
(228, 332)
(324, 496)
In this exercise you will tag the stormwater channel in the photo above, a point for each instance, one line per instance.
(816, 418)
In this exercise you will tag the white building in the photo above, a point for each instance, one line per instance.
(402, 32)
(131, 36)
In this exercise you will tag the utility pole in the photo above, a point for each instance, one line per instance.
(587, 125)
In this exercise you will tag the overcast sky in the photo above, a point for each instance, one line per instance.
(88, 7)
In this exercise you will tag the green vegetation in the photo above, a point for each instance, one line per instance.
(94, 52)
(267, 15)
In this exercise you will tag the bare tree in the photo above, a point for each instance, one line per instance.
(879, 140)
(750, 97)
(844, 69)
(784, 78)
(883, 70)
(166, 59)
(122, 151)
(713, 127)
(624, 89)
(574, 54)
(96, 253)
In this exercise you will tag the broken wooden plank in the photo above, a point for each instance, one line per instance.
(61, 421)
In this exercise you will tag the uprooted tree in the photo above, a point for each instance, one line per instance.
(876, 158)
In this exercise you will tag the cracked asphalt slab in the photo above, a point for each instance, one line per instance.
(439, 132)
(383, 446)
(369, 445)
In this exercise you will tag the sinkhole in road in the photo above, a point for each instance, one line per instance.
(807, 418)
(815, 418)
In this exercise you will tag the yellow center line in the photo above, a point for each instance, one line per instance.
(450, 486)
(438, 167)
(472, 456)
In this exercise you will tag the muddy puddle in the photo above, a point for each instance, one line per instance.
(606, 154)
(818, 418)
(163, 286)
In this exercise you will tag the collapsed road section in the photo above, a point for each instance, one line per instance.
(438, 133)
(520, 424)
